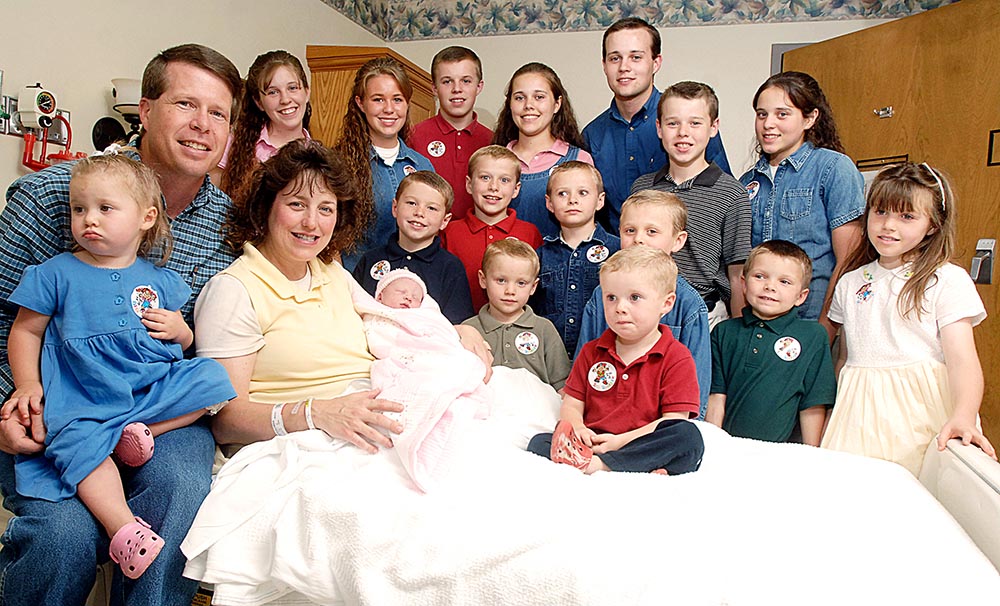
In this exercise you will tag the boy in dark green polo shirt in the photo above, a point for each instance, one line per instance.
(769, 367)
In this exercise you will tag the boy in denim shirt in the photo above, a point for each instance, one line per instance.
(571, 260)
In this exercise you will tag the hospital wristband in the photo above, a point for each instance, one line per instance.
(277, 423)
(309, 414)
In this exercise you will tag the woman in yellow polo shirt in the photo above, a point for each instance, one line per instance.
(280, 318)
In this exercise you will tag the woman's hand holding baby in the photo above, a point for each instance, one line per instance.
(355, 417)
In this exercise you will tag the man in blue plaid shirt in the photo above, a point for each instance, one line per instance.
(51, 550)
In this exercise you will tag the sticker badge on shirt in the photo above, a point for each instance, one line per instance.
(409, 170)
(602, 376)
(752, 188)
(865, 292)
(526, 342)
(143, 298)
(436, 148)
(597, 253)
(787, 348)
(379, 270)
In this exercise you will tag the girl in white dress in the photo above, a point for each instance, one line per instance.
(911, 370)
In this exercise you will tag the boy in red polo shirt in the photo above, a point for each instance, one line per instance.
(450, 137)
(631, 391)
(494, 179)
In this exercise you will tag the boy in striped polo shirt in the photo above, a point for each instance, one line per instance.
(718, 208)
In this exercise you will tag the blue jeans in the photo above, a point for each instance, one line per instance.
(675, 445)
(51, 550)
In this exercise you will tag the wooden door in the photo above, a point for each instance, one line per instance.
(333, 69)
(938, 72)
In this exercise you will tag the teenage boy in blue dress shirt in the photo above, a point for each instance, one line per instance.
(623, 139)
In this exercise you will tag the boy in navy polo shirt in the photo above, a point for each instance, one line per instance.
(422, 208)
(770, 368)
(517, 337)
(627, 400)
(570, 261)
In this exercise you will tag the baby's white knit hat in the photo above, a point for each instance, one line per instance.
(396, 274)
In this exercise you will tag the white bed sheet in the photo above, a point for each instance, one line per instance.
(308, 521)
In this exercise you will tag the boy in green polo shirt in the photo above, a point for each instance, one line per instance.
(769, 367)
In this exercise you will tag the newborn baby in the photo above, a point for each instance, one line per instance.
(422, 365)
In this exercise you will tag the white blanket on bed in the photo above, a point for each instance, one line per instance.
(310, 521)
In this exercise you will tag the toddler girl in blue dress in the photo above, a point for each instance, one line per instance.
(99, 334)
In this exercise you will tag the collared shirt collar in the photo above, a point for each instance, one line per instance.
(281, 285)
(599, 235)
(265, 138)
(777, 325)
(404, 152)
(796, 160)
(559, 148)
(505, 225)
(425, 254)
(706, 178)
(648, 108)
(446, 127)
(490, 324)
(607, 342)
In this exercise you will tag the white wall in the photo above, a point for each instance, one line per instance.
(733, 59)
(86, 44)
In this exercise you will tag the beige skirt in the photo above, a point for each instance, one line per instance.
(890, 413)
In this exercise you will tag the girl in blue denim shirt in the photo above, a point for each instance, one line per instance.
(372, 145)
(537, 123)
(803, 188)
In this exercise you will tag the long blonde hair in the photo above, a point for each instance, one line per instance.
(894, 190)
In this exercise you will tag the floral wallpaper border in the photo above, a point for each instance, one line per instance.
(401, 20)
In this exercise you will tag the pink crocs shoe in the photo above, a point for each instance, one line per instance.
(134, 547)
(135, 446)
(568, 448)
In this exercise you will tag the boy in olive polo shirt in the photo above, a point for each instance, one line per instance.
(769, 367)
(517, 337)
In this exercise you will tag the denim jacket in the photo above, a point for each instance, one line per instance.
(815, 191)
(688, 321)
(568, 277)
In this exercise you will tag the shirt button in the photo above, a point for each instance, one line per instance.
(409, 258)
(572, 321)
(119, 300)
(122, 322)
(760, 336)
(625, 377)
(631, 128)
(115, 276)
(761, 324)
(572, 286)
(459, 146)
(755, 350)
(506, 344)
(631, 158)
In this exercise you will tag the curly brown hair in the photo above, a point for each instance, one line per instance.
(252, 119)
(563, 126)
(355, 145)
(299, 164)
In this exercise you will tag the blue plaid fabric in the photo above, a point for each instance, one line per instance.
(35, 226)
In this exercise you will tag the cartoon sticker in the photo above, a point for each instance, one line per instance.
(597, 253)
(436, 148)
(409, 170)
(787, 348)
(379, 270)
(602, 376)
(865, 292)
(143, 298)
(526, 342)
(752, 188)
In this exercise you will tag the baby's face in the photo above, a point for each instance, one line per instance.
(402, 293)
